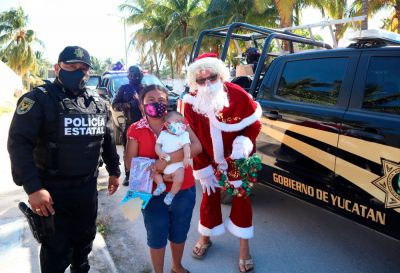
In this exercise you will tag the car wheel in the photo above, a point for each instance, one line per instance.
(117, 134)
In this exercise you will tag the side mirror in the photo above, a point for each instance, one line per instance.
(169, 87)
(102, 91)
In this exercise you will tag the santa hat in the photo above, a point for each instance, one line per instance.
(206, 55)
(203, 62)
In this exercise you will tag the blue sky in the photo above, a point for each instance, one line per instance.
(88, 23)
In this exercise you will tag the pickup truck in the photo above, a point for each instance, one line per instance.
(331, 122)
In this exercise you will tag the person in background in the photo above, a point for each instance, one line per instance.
(118, 66)
(57, 136)
(163, 223)
(252, 56)
(127, 101)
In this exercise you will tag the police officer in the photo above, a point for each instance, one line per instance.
(57, 137)
(127, 101)
(252, 56)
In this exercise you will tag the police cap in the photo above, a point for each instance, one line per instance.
(75, 54)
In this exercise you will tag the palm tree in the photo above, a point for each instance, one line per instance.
(42, 64)
(335, 9)
(374, 6)
(17, 43)
(11, 22)
(168, 29)
(364, 11)
(223, 12)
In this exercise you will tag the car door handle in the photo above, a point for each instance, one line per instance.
(272, 115)
(365, 134)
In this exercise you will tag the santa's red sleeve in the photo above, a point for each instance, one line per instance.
(201, 163)
(254, 129)
(245, 142)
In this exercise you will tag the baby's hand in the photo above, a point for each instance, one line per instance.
(163, 155)
(186, 162)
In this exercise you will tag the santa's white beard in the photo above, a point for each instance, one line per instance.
(207, 101)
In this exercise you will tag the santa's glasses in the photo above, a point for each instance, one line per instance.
(210, 78)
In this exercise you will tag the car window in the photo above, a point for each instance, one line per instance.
(150, 79)
(316, 81)
(382, 85)
(93, 81)
(116, 83)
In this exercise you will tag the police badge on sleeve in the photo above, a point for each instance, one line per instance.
(25, 105)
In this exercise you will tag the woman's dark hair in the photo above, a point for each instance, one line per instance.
(147, 88)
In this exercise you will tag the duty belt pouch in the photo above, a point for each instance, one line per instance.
(40, 227)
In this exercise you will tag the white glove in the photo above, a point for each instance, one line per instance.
(209, 184)
(241, 147)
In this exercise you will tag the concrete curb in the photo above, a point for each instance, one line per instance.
(101, 256)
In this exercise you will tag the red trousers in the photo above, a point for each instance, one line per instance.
(239, 222)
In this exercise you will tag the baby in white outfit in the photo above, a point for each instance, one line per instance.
(173, 139)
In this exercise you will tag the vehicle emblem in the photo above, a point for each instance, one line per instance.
(390, 183)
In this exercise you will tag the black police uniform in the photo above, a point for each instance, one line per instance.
(56, 141)
(127, 94)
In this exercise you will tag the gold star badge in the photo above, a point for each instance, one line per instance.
(390, 183)
(24, 106)
(78, 53)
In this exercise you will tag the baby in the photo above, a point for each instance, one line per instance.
(174, 138)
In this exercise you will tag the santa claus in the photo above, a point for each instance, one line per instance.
(226, 120)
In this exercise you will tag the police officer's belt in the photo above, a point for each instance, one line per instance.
(56, 182)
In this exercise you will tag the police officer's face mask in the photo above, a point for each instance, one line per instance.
(72, 80)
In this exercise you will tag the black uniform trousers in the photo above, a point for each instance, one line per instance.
(75, 205)
(124, 141)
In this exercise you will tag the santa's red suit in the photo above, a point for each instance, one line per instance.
(233, 129)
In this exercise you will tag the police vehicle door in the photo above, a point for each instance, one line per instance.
(368, 163)
(304, 99)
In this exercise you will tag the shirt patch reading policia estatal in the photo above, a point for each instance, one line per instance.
(25, 105)
(84, 125)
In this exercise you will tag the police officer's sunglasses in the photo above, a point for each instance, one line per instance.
(210, 78)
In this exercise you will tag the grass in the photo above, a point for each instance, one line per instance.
(103, 225)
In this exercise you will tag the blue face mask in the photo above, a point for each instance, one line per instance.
(72, 80)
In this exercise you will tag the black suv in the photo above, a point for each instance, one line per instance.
(108, 88)
(331, 122)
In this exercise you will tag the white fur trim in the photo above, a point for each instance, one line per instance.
(236, 126)
(188, 99)
(203, 173)
(236, 183)
(241, 147)
(218, 147)
(243, 233)
(215, 231)
(228, 127)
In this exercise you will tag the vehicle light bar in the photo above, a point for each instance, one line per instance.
(375, 34)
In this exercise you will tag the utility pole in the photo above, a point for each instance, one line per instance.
(125, 44)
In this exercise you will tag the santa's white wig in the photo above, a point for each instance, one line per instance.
(202, 63)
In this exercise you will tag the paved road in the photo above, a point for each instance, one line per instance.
(290, 236)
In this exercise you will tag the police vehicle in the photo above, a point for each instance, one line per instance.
(331, 120)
